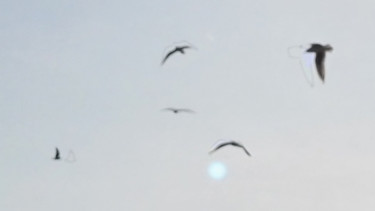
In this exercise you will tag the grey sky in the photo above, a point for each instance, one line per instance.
(86, 76)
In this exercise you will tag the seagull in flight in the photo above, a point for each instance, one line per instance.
(178, 110)
(57, 155)
(180, 49)
(320, 51)
(223, 143)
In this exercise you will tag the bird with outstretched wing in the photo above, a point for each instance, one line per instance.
(178, 110)
(223, 143)
(57, 154)
(320, 51)
(180, 49)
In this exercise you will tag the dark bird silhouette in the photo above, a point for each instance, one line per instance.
(178, 110)
(223, 143)
(57, 155)
(180, 49)
(320, 51)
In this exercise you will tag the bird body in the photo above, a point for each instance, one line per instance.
(223, 143)
(320, 51)
(57, 154)
(178, 110)
(180, 49)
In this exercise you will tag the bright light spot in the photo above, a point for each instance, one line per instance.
(217, 170)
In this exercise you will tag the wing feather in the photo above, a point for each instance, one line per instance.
(319, 62)
(186, 110)
(168, 55)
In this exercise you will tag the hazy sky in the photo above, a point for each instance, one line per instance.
(86, 76)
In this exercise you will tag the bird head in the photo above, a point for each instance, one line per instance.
(315, 47)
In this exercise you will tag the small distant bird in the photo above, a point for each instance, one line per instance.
(223, 143)
(178, 110)
(320, 51)
(180, 49)
(57, 155)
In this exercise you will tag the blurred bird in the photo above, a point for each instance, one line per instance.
(223, 143)
(57, 155)
(320, 51)
(180, 49)
(178, 110)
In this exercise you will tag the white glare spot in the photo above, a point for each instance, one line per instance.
(217, 170)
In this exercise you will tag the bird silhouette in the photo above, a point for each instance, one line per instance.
(178, 110)
(180, 49)
(223, 143)
(57, 155)
(320, 51)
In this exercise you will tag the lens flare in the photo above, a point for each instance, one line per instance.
(217, 170)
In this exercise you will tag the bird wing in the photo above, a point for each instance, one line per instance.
(247, 152)
(185, 47)
(237, 144)
(57, 153)
(186, 110)
(168, 55)
(218, 146)
(169, 109)
(319, 62)
(222, 143)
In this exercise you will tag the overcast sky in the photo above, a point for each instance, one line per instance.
(85, 76)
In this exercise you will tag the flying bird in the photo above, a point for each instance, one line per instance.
(320, 51)
(178, 110)
(180, 49)
(223, 143)
(57, 155)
